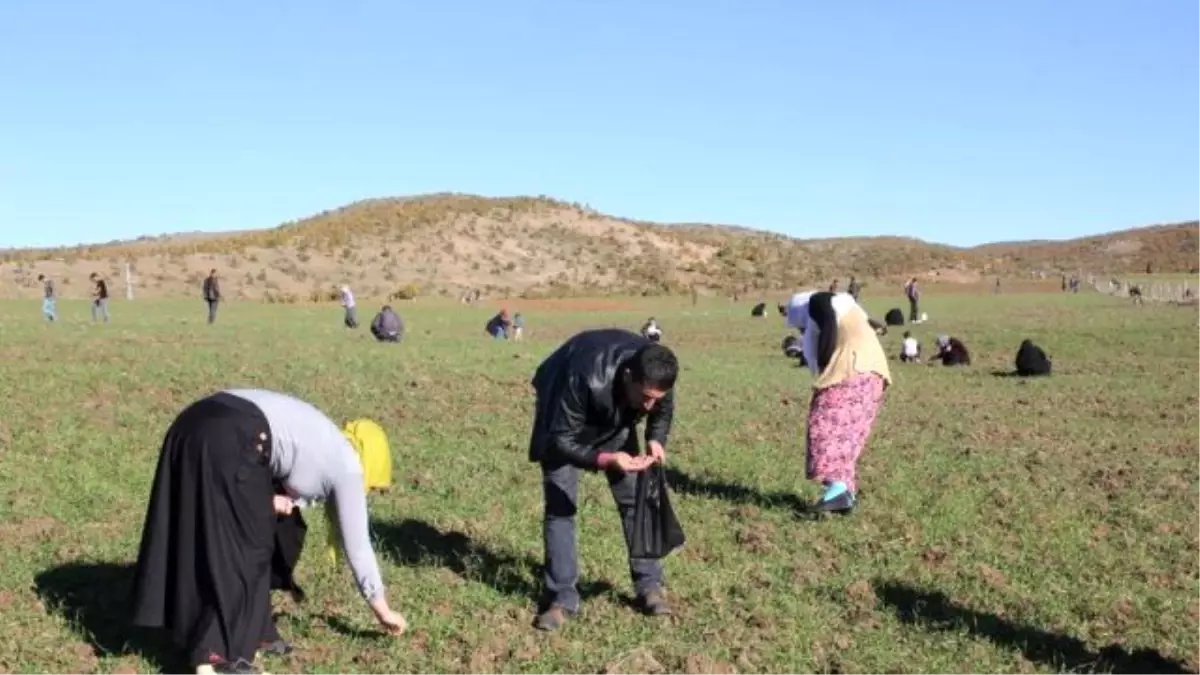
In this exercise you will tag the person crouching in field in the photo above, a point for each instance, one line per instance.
(387, 325)
(1031, 360)
(951, 351)
(910, 349)
(204, 568)
(498, 325)
(851, 372)
(591, 394)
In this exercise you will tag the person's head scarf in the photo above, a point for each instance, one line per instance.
(797, 310)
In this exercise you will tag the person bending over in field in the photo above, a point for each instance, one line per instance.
(387, 325)
(498, 325)
(205, 560)
(851, 375)
(591, 394)
(951, 351)
(1031, 360)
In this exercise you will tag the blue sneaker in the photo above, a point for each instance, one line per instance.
(841, 504)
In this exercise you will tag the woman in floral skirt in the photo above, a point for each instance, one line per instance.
(851, 374)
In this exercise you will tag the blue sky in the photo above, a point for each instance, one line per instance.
(958, 122)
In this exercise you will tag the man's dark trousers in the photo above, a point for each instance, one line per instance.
(212, 310)
(560, 484)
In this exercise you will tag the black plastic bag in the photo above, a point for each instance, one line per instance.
(656, 531)
(290, 533)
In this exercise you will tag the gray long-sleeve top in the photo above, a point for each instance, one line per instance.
(315, 462)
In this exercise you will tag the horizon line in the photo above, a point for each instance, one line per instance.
(233, 232)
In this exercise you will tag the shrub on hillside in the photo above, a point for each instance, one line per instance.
(406, 292)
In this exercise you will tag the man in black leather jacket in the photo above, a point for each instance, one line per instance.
(591, 394)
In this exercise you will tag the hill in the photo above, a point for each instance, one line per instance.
(451, 243)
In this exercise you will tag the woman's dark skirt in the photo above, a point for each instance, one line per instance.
(209, 541)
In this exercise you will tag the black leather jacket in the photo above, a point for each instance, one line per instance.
(580, 406)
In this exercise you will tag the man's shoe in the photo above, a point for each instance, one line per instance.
(552, 619)
(654, 603)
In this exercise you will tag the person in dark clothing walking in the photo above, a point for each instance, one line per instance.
(99, 298)
(854, 288)
(212, 295)
(591, 394)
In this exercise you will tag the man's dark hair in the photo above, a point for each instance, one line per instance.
(654, 365)
(41, 277)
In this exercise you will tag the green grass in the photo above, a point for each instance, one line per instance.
(1005, 525)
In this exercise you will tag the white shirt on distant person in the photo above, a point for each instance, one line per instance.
(347, 297)
(910, 347)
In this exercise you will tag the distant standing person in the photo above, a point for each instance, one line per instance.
(212, 294)
(833, 288)
(351, 319)
(854, 288)
(99, 298)
(518, 326)
(913, 293)
(387, 325)
(591, 394)
(851, 374)
(652, 331)
(49, 303)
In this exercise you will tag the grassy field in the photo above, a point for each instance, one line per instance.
(1005, 525)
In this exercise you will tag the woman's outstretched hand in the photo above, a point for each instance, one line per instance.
(392, 622)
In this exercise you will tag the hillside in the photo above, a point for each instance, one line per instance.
(449, 244)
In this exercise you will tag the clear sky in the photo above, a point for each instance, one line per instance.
(954, 121)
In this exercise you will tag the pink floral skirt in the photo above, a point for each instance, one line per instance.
(839, 423)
